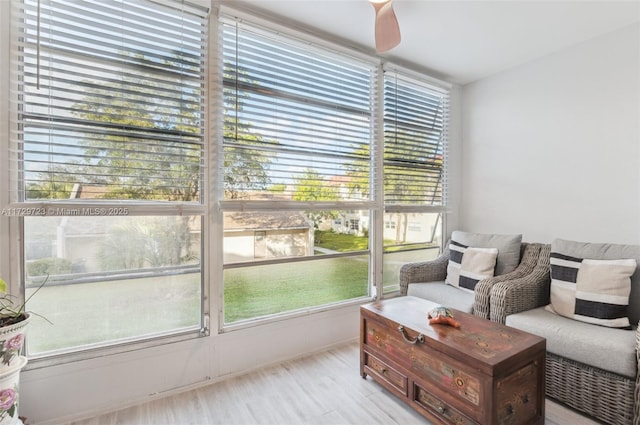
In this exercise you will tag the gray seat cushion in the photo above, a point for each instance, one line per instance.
(508, 247)
(605, 348)
(443, 294)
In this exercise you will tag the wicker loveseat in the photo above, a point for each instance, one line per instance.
(591, 368)
(427, 279)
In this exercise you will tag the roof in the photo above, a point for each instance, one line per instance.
(242, 220)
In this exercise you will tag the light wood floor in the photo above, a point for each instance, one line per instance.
(324, 388)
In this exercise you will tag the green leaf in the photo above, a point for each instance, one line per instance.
(3, 285)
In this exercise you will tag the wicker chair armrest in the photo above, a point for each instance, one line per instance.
(636, 392)
(525, 293)
(638, 349)
(636, 404)
(424, 271)
(529, 259)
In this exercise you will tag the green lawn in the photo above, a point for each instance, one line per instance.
(88, 313)
(341, 242)
(262, 290)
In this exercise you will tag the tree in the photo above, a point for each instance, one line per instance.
(150, 145)
(137, 138)
(278, 188)
(147, 242)
(245, 160)
(144, 144)
(49, 190)
(311, 186)
(404, 171)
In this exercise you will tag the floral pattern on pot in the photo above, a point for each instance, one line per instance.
(10, 348)
(9, 387)
(8, 402)
(12, 339)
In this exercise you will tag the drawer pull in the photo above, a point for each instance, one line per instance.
(441, 410)
(419, 338)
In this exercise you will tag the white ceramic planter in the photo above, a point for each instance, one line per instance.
(9, 383)
(11, 343)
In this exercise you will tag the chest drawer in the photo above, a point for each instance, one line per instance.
(445, 412)
(382, 371)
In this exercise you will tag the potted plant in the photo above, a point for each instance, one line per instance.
(13, 322)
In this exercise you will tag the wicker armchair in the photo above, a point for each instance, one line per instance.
(606, 396)
(525, 293)
(436, 271)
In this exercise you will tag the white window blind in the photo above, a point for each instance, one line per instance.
(415, 137)
(109, 101)
(297, 119)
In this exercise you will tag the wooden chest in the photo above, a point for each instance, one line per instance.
(481, 373)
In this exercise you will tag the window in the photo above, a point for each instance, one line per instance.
(109, 186)
(415, 136)
(297, 164)
(299, 159)
(107, 167)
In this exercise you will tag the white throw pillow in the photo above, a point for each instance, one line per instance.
(591, 291)
(469, 265)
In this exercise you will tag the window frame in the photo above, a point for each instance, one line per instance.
(272, 29)
(432, 85)
(376, 206)
(14, 272)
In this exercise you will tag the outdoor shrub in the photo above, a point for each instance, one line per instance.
(48, 266)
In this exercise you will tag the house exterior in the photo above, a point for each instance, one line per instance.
(248, 236)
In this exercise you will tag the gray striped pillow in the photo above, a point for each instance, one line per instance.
(591, 291)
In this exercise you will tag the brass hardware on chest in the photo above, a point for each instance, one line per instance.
(419, 338)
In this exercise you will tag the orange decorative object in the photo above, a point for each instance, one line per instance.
(442, 315)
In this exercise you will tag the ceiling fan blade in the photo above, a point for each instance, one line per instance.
(387, 31)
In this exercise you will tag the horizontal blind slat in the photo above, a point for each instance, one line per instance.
(295, 116)
(112, 96)
(415, 141)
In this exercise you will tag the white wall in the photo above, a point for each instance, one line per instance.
(63, 393)
(552, 148)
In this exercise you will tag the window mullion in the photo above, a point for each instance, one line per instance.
(107, 165)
